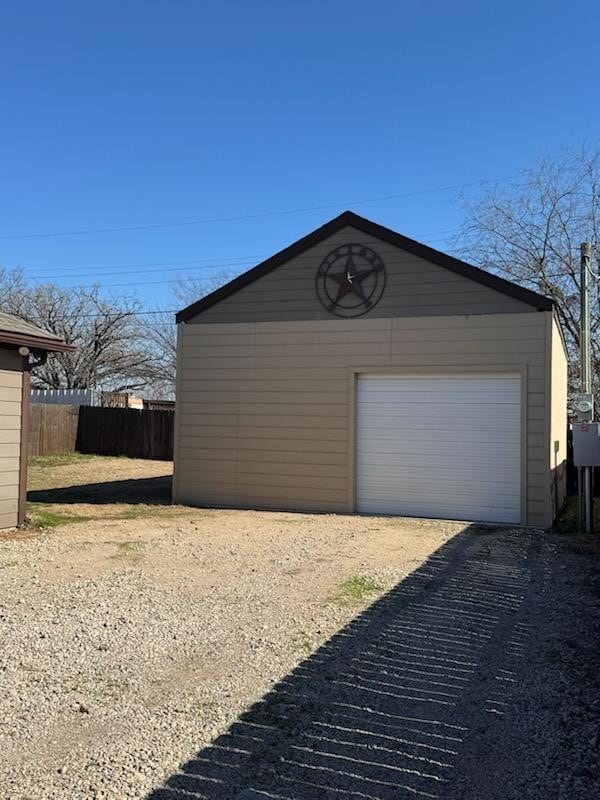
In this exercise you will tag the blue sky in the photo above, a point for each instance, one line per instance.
(125, 114)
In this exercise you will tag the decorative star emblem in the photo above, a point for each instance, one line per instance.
(350, 281)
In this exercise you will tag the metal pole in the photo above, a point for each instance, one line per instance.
(585, 488)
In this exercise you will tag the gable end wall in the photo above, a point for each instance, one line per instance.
(414, 287)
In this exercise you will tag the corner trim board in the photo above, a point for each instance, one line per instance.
(24, 445)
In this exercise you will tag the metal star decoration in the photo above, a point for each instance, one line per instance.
(349, 281)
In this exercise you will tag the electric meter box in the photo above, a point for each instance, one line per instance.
(584, 407)
(586, 444)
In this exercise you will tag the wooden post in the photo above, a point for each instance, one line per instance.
(24, 448)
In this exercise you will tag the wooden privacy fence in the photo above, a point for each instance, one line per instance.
(126, 432)
(101, 431)
(52, 429)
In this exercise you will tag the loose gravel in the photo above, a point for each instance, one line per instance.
(126, 645)
(225, 654)
(474, 678)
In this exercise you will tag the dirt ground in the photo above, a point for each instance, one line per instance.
(121, 507)
(162, 652)
(94, 487)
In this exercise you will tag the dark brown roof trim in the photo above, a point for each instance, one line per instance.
(35, 342)
(379, 232)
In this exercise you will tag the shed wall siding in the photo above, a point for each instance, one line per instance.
(264, 409)
(11, 379)
(414, 287)
(558, 418)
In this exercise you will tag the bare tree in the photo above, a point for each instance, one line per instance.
(188, 289)
(531, 233)
(161, 331)
(12, 289)
(112, 352)
(161, 334)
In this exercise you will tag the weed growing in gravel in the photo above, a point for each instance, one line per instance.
(304, 643)
(130, 551)
(40, 518)
(568, 521)
(355, 591)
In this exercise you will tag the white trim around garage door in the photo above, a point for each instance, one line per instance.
(445, 444)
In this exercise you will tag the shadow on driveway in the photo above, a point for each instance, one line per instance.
(429, 693)
(150, 491)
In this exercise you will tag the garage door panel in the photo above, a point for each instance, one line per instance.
(464, 512)
(436, 474)
(406, 448)
(439, 446)
(444, 486)
(479, 411)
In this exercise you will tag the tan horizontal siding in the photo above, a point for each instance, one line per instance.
(10, 390)
(307, 432)
(10, 450)
(8, 487)
(228, 400)
(271, 429)
(11, 422)
(10, 436)
(238, 383)
(8, 463)
(223, 499)
(201, 442)
(9, 505)
(9, 520)
(11, 408)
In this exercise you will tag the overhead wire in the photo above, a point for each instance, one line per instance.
(258, 215)
(217, 276)
(209, 262)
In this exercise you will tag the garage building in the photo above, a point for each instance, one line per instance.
(20, 344)
(361, 371)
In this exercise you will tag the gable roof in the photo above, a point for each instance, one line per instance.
(378, 232)
(16, 331)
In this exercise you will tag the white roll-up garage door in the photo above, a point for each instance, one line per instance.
(439, 446)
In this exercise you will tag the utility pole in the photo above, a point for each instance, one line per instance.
(586, 494)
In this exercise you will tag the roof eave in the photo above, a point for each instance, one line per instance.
(36, 342)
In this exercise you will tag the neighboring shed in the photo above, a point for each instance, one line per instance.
(358, 370)
(18, 341)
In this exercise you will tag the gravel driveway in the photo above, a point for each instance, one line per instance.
(128, 646)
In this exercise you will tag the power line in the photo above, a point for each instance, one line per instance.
(129, 313)
(210, 266)
(176, 310)
(209, 262)
(214, 276)
(160, 225)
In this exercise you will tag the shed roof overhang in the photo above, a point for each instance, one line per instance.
(48, 345)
